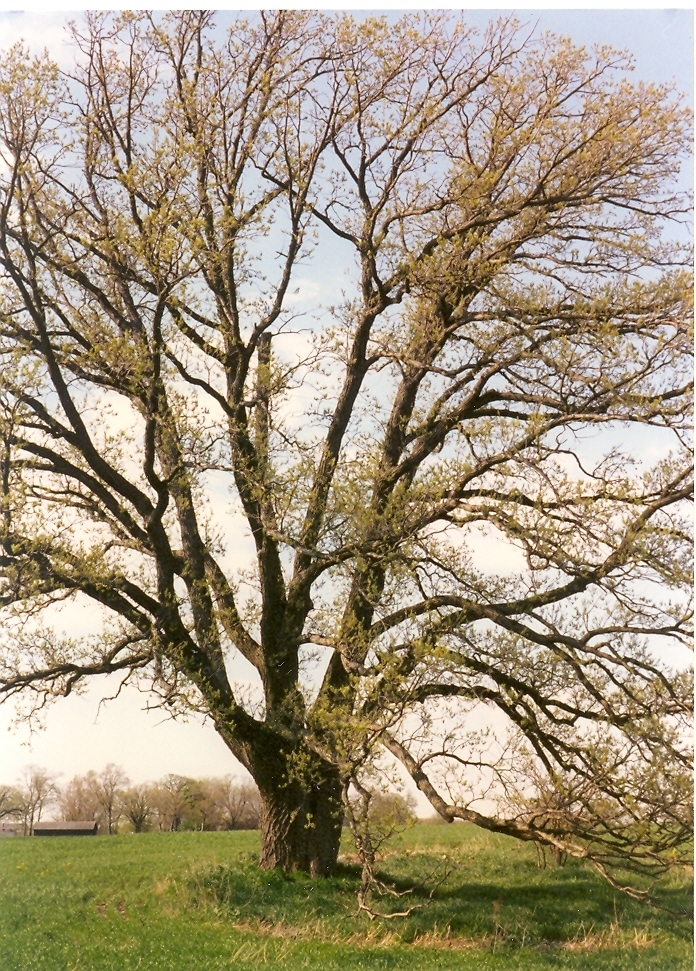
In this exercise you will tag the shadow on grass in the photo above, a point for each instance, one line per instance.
(523, 906)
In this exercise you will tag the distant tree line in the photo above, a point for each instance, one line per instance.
(109, 798)
(175, 802)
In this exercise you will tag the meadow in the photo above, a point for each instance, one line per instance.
(185, 901)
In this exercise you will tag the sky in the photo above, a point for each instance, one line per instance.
(80, 734)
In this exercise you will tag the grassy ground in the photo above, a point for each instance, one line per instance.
(179, 902)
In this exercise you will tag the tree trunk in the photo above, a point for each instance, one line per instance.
(301, 823)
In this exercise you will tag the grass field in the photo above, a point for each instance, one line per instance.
(196, 902)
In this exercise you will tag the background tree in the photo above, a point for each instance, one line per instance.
(77, 801)
(9, 802)
(137, 805)
(37, 791)
(392, 809)
(510, 360)
(106, 787)
(204, 804)
(237, 806)
(175, 799)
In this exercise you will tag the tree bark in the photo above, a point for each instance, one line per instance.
(301, 820)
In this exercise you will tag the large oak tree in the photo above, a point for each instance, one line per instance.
(509, 362)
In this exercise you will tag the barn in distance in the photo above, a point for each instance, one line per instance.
(62, 828)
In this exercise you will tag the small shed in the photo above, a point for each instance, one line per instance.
(61, 828)
(11, 829)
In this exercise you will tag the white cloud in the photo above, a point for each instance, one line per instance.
(304, 290)
(38, 30)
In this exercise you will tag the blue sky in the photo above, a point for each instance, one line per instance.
(660, 39)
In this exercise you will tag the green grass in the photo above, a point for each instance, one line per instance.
(174, 902)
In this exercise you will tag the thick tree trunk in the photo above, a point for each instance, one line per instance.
(301, 823)
(302, 809)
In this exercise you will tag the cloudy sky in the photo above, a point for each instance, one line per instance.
(81, 734)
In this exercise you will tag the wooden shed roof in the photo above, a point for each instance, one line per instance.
(62, 828)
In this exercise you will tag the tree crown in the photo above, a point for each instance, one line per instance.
(516, 321)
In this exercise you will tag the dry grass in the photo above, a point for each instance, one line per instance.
(612, 938)
(586, 940)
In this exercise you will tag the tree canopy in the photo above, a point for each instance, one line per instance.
(227, 478)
